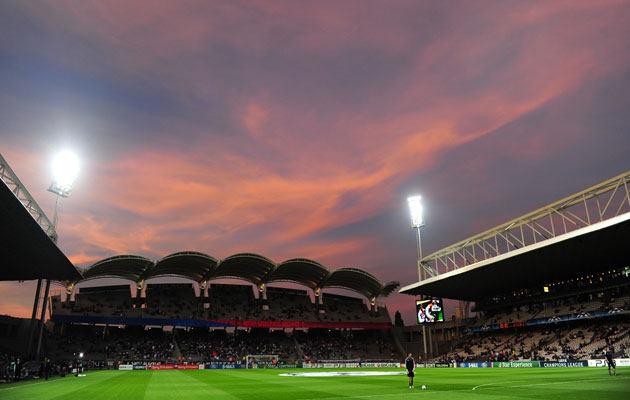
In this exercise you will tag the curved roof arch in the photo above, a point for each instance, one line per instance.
(249, 267)
(388, 288)
(354, 279)
(307, 272)
(129, 267)
(188, 264)
(246, 266)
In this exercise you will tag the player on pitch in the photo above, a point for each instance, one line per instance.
(610, 360)
(410, 365)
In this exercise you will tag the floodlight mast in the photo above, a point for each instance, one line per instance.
(65, 171)
(417, 221)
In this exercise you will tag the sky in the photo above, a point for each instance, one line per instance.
(299, 129)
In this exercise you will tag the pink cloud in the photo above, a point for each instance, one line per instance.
(294, 162)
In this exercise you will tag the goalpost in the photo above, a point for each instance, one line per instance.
(262, 360)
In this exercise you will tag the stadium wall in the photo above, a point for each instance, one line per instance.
(80, 319)
(621, 362)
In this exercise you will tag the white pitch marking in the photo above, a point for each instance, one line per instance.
(493, 383)
(555, 383)
(537, 384)
(326, 374)
(26, 385)
(370, 396)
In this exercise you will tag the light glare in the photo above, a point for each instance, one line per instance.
(65, 168)
(415, 207)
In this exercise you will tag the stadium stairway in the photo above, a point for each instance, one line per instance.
(298, 348)
(176, 351)
(594, 338)
(397, 334)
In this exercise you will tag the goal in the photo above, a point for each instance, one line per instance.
(262, 360)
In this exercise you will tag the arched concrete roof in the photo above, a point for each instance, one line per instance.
(189, 264)
(300, 270)
(129, 267)
(249, 267)
(388, 288)
(355, 279)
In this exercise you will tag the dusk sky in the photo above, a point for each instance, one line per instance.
(299, 129)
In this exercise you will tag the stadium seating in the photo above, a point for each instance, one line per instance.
(575, 339)
(290, 305)
(228, 302)
(580, 340)
(224, 302)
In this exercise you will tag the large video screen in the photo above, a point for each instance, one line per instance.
(429, 311)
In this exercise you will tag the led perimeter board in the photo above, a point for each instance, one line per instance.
(429, 311)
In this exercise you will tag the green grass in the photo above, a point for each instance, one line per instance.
(507, 383)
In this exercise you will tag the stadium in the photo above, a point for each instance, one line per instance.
(550, 289)
(320, 200)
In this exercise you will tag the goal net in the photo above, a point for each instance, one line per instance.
(262, 360)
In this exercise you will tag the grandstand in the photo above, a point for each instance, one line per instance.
(224, 322)
(214, 322)
(553, 284)
(200, 321)
(550, 286)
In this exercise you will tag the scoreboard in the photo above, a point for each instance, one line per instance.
(429, 311)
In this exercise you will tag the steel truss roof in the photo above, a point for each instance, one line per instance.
(27, 237)
(13, 182)
(582, 233)
(606, 200)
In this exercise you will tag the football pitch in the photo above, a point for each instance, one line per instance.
(497, 383)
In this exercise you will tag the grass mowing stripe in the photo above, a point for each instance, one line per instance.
(56, 387)
(505, 383)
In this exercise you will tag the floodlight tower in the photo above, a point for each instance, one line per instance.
(65, 170)
(417, 221)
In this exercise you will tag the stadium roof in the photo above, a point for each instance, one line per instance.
(250, 267)
(596, 244)
(27, 251)
(590, 250)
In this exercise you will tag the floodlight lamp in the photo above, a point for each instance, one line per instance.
(81, 355)
(415, 207)
(65, 171)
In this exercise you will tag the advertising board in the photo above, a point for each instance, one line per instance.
(620, 362)
(556, 364)
(354, 365)
(516, 364)
(473, 365)
(224, 366)
(187, 366)
(160, 367)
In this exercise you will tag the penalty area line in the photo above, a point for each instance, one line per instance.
(28, 385)
(496, 384)
(563, 382)
(414, 392)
